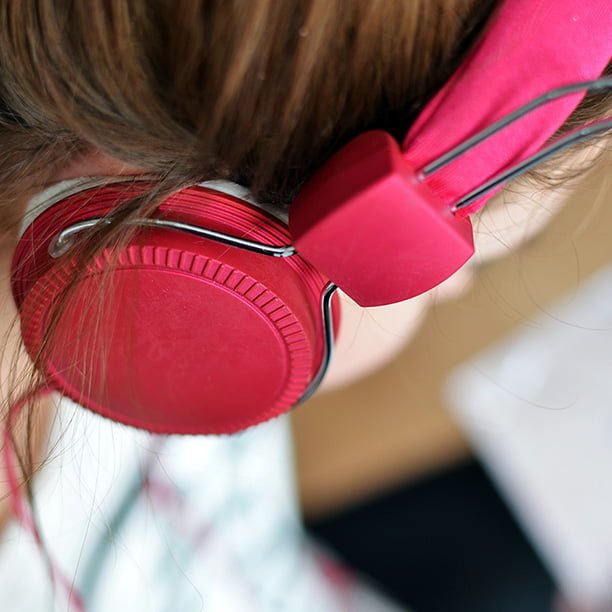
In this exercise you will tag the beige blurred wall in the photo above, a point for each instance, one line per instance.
(392, 427)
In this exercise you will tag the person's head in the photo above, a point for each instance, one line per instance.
(260, 93)
(192, 90)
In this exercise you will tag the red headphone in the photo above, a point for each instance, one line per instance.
(219, 314)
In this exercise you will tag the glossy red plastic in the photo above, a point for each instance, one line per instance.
(366, 222)
(186, 335)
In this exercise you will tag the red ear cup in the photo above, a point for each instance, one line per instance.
(184, 335)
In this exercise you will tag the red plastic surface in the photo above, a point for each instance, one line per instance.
(187, 335)
(366, 222)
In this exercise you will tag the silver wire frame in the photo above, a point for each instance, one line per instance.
(583, 133)
(65, 238)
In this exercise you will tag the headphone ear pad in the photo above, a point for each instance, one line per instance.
(175, 333)
(373, 228)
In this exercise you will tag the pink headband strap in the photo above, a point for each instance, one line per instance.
(501, 74)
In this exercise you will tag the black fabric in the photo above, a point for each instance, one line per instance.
(445, 544)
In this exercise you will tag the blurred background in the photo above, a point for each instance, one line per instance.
(474, 472)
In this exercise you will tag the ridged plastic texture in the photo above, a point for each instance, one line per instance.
(185, 335)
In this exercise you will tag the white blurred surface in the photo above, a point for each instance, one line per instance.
(538, 409)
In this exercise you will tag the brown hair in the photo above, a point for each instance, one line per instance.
(259, 92)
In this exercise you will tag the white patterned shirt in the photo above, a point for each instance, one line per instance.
(164, 524)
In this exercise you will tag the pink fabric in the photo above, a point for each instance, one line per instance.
(530, 47)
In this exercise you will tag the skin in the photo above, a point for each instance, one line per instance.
(368, 338)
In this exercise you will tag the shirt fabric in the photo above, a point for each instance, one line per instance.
(172, 523)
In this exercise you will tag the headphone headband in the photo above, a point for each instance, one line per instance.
(530, 48)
